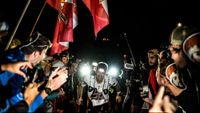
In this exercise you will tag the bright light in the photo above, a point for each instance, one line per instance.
(113, 71)
(179, 24)
(85, 70)
(101, 70)
(94, 64)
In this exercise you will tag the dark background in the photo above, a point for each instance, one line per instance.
(146, 23)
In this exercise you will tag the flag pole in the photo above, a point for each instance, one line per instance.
(132, 59)
(19, 21)
(37, 18)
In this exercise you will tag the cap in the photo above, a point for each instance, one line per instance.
(15, 42)
(180, 33)
(191, 47)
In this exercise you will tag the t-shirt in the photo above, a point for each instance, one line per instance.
(99, 92)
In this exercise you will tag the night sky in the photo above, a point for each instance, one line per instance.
(146, 24)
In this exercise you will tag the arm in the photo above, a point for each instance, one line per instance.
(162, 104)
(174, 90)
(56, 80)
(21, 107)
(29, 96)
(16, 67)
(52, 96)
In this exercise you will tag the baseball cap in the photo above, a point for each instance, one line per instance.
(180, 33)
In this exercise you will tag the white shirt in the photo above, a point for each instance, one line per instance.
(99, 92)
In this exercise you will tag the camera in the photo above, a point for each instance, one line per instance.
(145, 91)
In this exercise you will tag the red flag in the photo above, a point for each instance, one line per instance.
(99, 11)
(66, 22)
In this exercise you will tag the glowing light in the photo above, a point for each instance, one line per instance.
(94, 64)
(101, 70)
(85, 70)
(179, 24)
(113, 71)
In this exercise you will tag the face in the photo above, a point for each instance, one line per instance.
(37, 57)
(65, 60)
(73, 68)
(47, 68)
(163, 59)
(152, 60)
(177, 56)
(100, 73)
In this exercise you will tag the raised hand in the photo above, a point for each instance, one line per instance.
(162, 104)
(31, 92)
(57, 78)
(16, 67)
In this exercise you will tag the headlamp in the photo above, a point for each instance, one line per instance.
(101, 70)
(85, 69)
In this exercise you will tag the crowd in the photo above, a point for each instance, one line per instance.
(31, 81)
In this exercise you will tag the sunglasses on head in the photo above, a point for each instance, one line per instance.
(48, 46)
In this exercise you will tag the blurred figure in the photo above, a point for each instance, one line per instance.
(50, 104)
(185, 73)
(152, 89)
(15, 42)
(163, 61)
(71, 87)
(162, 103)
(4, 27)
(64, 57)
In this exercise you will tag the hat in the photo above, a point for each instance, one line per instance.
(58, 64)
(153, 52)
(180, 33)
(15, 42)
(191, 47)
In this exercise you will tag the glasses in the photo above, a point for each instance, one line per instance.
(48, 46)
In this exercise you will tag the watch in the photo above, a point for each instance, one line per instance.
(47, 90)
